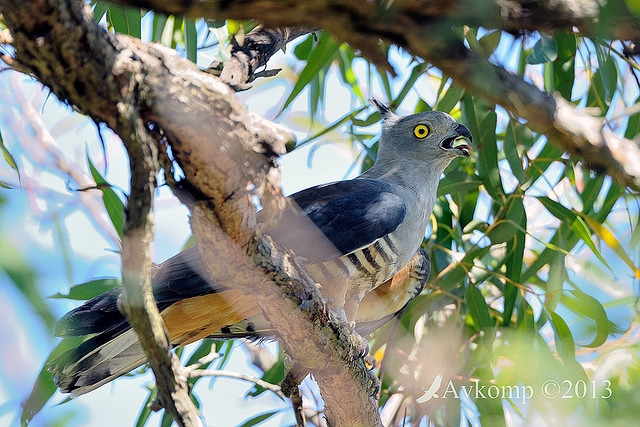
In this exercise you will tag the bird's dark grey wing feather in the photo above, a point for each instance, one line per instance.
(350, 214)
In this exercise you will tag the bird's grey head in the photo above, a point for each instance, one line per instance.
(429, 136)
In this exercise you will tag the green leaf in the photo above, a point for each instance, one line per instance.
(478, 308)
(511, 153)
(481, 120)
(206, 347)
(507, 224)
(321, 55)
(556, 209)
(44, 387)
(489, 42)
(24, 278)
(159, 22)
(113, 204)
(633, 125)
(564, 65)
(603, 82)
(575, 222)
(88, 290)
(303, 49)
(145, 412)
(586, 305)
(259, 418)
(100, 8)
(608, 71)
(447, 102)
(190, 39)
(416, 72)
(545, 50)
(346, 57)
(166, 421)
(125, 20)
(454, 187)
(8, 157)
(564, 340)
(514, 259)
(608, 237)
(342, 120)
(273, 375)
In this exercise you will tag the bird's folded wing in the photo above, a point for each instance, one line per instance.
(328, 221)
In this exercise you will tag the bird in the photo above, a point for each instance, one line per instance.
(359, 240)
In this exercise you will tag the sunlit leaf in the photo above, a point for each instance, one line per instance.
(125, 19)
(580, 302)
(44, 388)
(8, 157)
(191, 39)
(113, 204)
(88, 290)
(564, 339)
(610, 239)
(259, 418)
(477, 307)
(321, 54)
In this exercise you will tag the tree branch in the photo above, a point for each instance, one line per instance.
(253, 52)
(136, 300)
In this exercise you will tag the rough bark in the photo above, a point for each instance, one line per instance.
(252, 52)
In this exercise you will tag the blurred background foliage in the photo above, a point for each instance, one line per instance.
(535, 256)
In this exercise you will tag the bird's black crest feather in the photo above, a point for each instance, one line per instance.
(383, 109)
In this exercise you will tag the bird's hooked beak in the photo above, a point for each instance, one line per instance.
(458, 141)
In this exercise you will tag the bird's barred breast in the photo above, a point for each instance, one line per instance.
(369, 266)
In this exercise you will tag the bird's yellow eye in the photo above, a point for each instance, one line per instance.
(421, 131)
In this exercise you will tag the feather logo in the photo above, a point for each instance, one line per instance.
(431, 393)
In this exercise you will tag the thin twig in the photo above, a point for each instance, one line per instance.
(228, 374)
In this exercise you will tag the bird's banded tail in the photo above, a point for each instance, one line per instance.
(96, 362)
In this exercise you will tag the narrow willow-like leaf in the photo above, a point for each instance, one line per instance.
(545, 50)
(587, 306)
(259, 418)
(321, 54)
(88, 290)
(44, 388)
(125, 20)
(191, 39)
(477, 307)
(113, 204)
(610, 239)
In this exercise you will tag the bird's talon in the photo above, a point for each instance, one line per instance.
(370, 362)
(375, 384)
